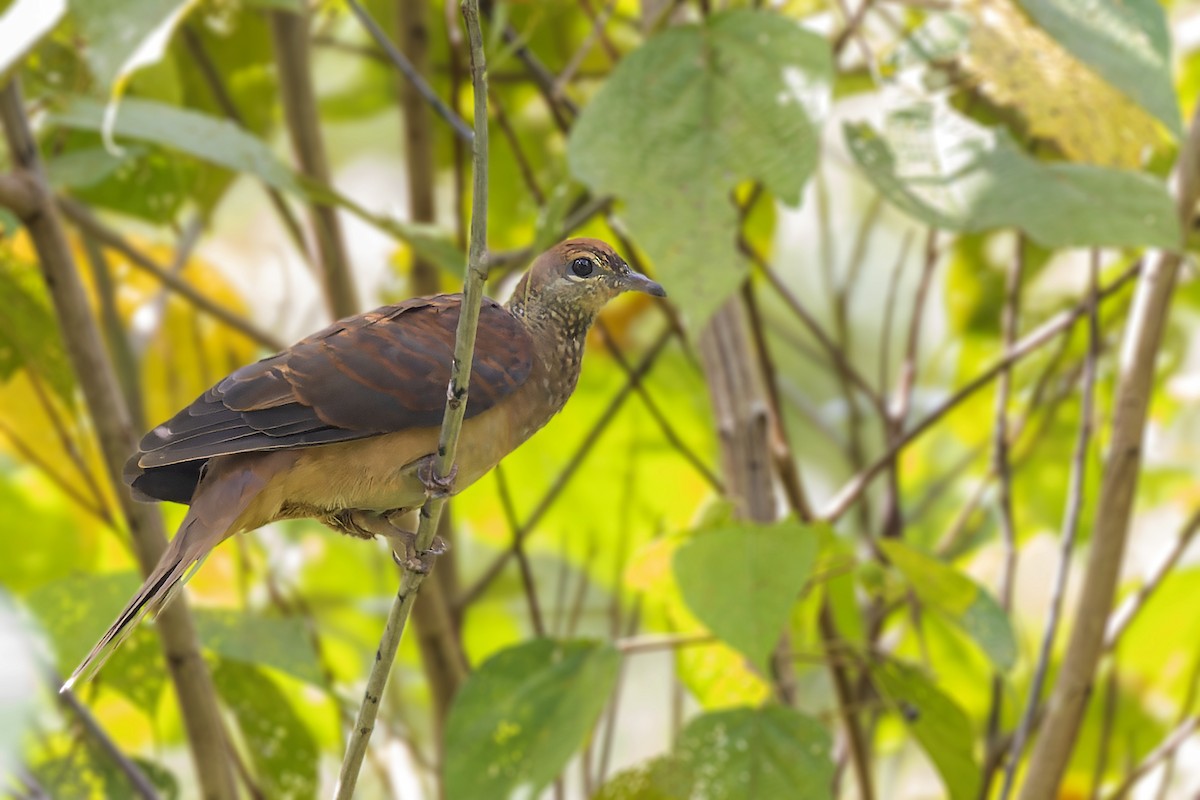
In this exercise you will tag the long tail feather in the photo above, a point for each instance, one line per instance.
(176, 566)
(218, 503)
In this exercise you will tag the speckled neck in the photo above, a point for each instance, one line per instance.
(559, 331)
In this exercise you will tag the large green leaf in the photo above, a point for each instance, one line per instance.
(223, 143)
(280, 642)
(208, 138)
(939, 725)
(283, 751)
(22, 26)
(741, 581)
(948, 172)
(945, 589)
(85, 771)
(686, 117)
(772, 753)
(75, 611)
(518, 719)
(1126, 41)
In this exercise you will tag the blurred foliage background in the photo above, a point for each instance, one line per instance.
(815, 526)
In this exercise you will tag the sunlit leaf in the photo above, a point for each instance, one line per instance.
(715, 674)
(87, 772)
(521, 715)
(1019, 66)
(772, 752)
(282, 643)
(29, 337)
(943, 588)
(742, 581)
(1126, 41)
(663, 778)
(279, 745)
(948, 172)
(738, 97)
(76, 610)
(22, 26)
(939, 725)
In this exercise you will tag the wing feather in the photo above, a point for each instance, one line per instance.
(379, 372)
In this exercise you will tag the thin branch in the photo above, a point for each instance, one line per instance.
(189, 673)
(1167, 749)
(289, 31)
(1002, 467)
(17, 195)
(87, 222)
(456, 402)
(224, 100)
(836, 355)
(1143, 336)
(141, 785)
(401, 62)
(527, 582)
(493, 570)
(1124, 616)
(30, 454)
(1032, 342)
(668, 431)
(851, 30)
(1070, 530)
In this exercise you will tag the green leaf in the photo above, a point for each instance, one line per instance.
(223, 143)
(741, 581)
(75, 611)
(146, 182)
(945, 589)
(86, 772)
(1126, 41)
(939, 725)
(948, 172)
(22, 26)
(121, 36)
(518, 719)
(280, 642)
(663, 778)
(772, 753)
(216, 141)
(686, 117)
(282, 749)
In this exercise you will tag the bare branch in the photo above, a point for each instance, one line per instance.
(398, 59)
(90, 225)
(189, 673)
(292, 50)
(1143, 335)
(456, 406)
(1070, 530)
(1032, 342)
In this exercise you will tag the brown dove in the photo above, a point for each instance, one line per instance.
(342, 426)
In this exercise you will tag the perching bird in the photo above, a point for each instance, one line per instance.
(342, 426)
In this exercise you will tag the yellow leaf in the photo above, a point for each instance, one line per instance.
(1019, 66)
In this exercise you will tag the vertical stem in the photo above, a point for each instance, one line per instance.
(110, 415)
(1002, 468)
(437, 632)
(292, 51)
(1143, 336)
(456, 406)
